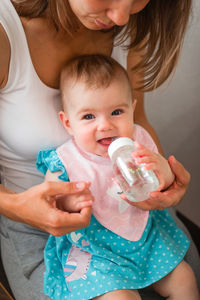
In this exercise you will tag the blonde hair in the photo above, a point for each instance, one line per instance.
(158, 29)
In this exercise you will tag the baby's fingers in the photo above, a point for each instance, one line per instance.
(147, 160)
(141, 151)
(82, 204)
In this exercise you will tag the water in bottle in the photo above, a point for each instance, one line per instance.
(135, 181)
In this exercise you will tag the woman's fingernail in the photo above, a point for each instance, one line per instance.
(174, 158)
(80, 185)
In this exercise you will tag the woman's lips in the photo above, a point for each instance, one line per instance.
(102, 25)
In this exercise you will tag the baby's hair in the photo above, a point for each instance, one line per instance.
(95, 71)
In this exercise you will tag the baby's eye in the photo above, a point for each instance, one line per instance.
(88, 117)
(117, 112)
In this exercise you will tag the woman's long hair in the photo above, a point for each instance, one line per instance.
(158, 31)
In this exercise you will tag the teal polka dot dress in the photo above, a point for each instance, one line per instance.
(92, 261)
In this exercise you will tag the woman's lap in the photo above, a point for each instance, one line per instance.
(22, 255)
(192, 256)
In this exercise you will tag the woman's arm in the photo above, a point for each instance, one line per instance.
(173, 195)
(4, 57)
(141, 119)
(139, 114)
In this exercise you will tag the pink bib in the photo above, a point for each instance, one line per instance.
(108, 208)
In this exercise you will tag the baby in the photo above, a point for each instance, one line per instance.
(120, 252)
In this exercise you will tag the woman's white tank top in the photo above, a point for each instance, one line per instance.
(28, 109)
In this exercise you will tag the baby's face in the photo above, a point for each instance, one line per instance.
(96, 116)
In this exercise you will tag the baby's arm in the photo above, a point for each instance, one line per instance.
(72, 202)
(157, 163)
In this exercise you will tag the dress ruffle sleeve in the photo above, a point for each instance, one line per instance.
(49, 160)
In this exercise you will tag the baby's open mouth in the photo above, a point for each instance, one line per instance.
(106, 141)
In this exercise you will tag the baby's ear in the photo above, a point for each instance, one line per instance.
(134, 104)
(65, 121)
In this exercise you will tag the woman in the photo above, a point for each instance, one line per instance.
(37, 38)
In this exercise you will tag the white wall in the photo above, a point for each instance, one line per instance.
(174, 111)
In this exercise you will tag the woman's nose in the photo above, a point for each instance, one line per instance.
(120, 12)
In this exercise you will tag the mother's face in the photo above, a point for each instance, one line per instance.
(104, 14)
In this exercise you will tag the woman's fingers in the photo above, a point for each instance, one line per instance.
(64, 222)
(182, 175)
(161, 200)
(53, 188)
(147, 204)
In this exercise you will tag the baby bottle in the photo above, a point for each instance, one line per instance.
(135, 181)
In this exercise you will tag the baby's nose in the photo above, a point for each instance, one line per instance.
(104, 125)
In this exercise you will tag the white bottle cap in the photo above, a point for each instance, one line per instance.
(118, 143)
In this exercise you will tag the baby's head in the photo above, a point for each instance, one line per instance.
(97, 102)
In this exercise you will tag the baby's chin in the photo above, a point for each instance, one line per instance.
(102, 154)
(94, 151)
(105, 155)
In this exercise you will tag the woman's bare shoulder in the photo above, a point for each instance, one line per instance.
(4, 57)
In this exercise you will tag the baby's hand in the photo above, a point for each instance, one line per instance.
(76, 202)
(157, 163)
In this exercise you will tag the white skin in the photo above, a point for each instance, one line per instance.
(94, 117)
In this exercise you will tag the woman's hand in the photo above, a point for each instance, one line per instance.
(75, 202)
(37, 207)
(173, 195)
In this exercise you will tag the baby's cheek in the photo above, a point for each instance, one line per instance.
(86, 139)
(128, 129)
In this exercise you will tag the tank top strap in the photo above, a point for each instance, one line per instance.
(20, 61)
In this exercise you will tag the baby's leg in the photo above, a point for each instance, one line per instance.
(179, 284)
(120, 295)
